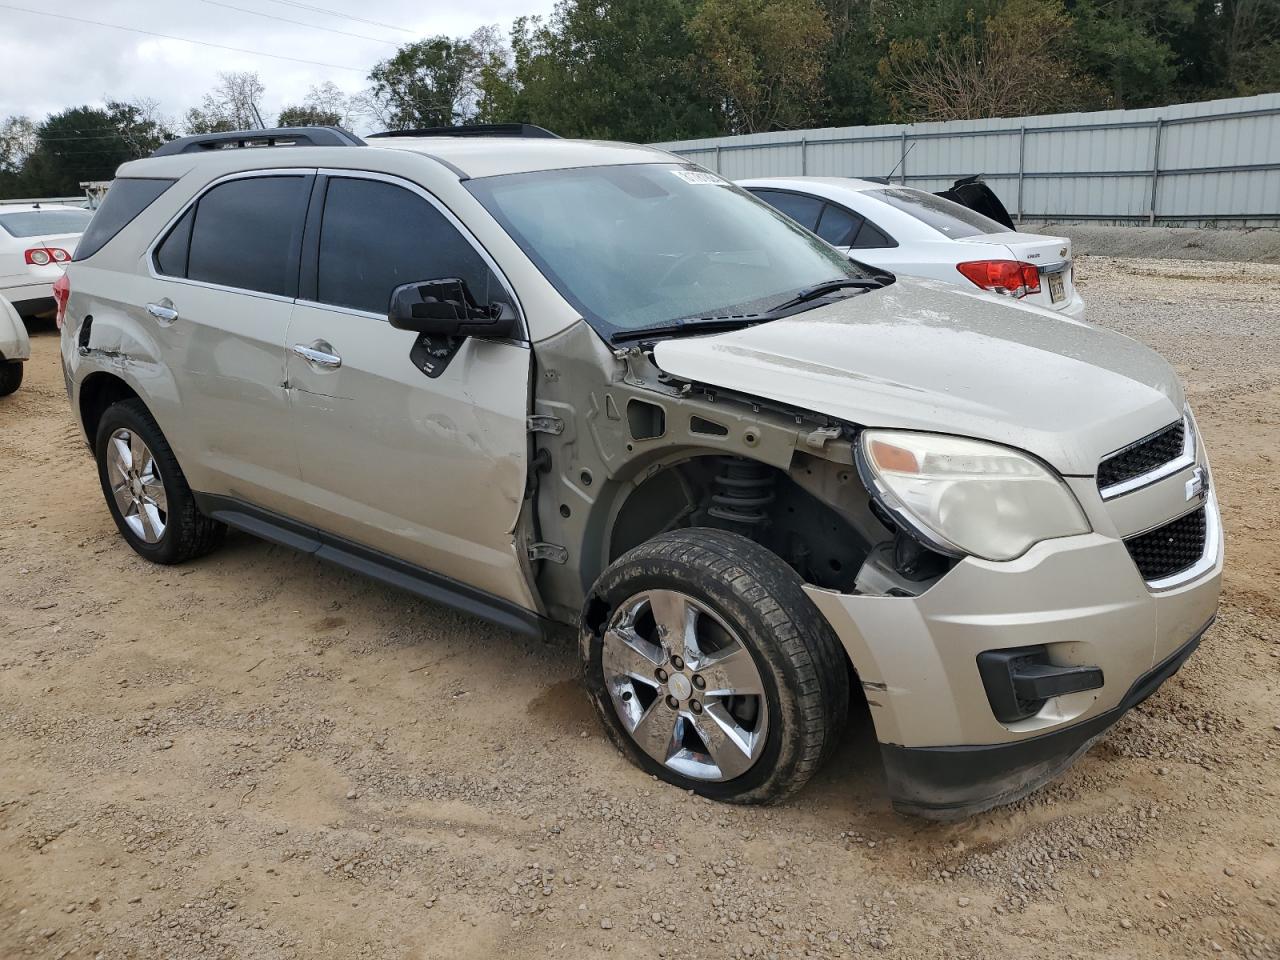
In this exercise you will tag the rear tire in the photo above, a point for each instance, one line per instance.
(732, 597)
(146, 491)
(10, 376)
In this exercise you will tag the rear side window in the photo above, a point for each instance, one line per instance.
(244, 234)
(126, 198)
(870, 237)
(376, 236)
(948, 218)
(838, 226)
(803, 210)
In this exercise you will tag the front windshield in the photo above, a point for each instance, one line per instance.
(642, 245)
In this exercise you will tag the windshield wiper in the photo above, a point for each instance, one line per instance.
(819, 290)
(691, 325)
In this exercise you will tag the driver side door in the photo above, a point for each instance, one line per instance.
(416, 455)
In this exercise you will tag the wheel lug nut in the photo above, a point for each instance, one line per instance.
(677, 663)
(699, 682)
(695, 706)
(672, 702)
(661, 675)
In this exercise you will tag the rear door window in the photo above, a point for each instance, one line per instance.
(803, 210)
(948, 218)
(126, 198)
(376, 236)
(244, 233)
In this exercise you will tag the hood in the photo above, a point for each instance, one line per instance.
(929, 356)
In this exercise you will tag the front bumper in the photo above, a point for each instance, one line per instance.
(950, 783)
(1080, 597)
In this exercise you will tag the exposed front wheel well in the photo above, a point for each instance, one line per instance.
(98, 392)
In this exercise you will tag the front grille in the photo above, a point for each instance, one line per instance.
(1142, 457)
(1169, 549)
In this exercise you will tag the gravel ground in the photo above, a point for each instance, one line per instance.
(1252, 245)
(257, 756)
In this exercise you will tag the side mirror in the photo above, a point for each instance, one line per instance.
(446, 308)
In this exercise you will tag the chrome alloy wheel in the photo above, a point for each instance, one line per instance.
(685, 686)
(136, 485)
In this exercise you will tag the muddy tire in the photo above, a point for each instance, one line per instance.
(146, 490)
(711, 669)
(10, 376)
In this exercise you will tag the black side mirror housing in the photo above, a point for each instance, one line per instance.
(446, 308)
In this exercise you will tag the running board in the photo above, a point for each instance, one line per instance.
(372, 563)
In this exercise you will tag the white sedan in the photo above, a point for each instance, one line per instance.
(36, 241)
(909, 231)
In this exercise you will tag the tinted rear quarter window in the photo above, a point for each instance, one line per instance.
(838, 226)
(376, 236)
(126, 198)
(803, 210)
(870, 237)
(948, 218)
(246, 235)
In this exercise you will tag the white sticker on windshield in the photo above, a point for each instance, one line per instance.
(700, 177)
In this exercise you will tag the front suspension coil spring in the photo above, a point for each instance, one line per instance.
(744, 488)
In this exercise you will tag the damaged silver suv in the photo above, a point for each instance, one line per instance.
(553, 381)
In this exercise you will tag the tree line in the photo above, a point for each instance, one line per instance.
(650, 70)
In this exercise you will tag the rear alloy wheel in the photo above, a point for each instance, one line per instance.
(145, 489)
(711, 669)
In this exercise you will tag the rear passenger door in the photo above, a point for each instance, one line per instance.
(416, 455)
(226, 276)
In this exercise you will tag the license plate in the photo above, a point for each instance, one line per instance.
(1057, 287)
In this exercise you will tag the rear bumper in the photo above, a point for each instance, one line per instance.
(29, 298)
(950, 783)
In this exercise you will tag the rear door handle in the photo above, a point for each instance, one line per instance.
(318, 354)
(163, 311)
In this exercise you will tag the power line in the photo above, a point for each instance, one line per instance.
(340, 14)
(165, 36)
(271, 16)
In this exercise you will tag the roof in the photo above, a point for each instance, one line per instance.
(495, 156)
(808, 183)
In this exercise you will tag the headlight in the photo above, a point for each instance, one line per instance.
(966, 496)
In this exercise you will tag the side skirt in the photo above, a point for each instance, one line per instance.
(372, 563)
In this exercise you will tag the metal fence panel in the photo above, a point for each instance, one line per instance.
(1217, 161)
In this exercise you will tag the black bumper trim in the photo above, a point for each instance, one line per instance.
(950, 783)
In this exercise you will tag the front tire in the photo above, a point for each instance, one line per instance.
(711, 669)
(10, 376)
(146, 491)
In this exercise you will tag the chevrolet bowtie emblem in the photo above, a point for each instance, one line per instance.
(1196, 486)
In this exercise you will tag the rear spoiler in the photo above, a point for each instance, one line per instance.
(972, 192)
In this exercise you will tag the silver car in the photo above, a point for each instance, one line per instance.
(547, 381)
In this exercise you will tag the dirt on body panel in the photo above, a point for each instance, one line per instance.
(258, 756)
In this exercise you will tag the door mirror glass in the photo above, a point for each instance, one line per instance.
(447, 308)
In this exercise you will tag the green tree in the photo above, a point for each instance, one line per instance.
(83, 143)
(763, 59)
(610, 69)
(428, 83)
(1010, 63)
(304, 116)
(234, 104)
(1129, 47)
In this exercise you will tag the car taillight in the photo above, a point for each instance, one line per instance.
(1010, 277)
(61, 294)
(43, 256)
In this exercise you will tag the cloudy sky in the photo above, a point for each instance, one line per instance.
(49, 61)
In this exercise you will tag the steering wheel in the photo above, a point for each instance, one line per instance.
(681, 263)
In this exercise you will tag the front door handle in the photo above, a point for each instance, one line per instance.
(163, 311)
(318, 354)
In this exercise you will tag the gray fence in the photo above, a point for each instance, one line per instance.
(1193, 163)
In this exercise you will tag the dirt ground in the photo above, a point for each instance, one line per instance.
(258, 756)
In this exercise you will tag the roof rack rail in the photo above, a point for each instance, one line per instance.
(473, 130)
(279, 137)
